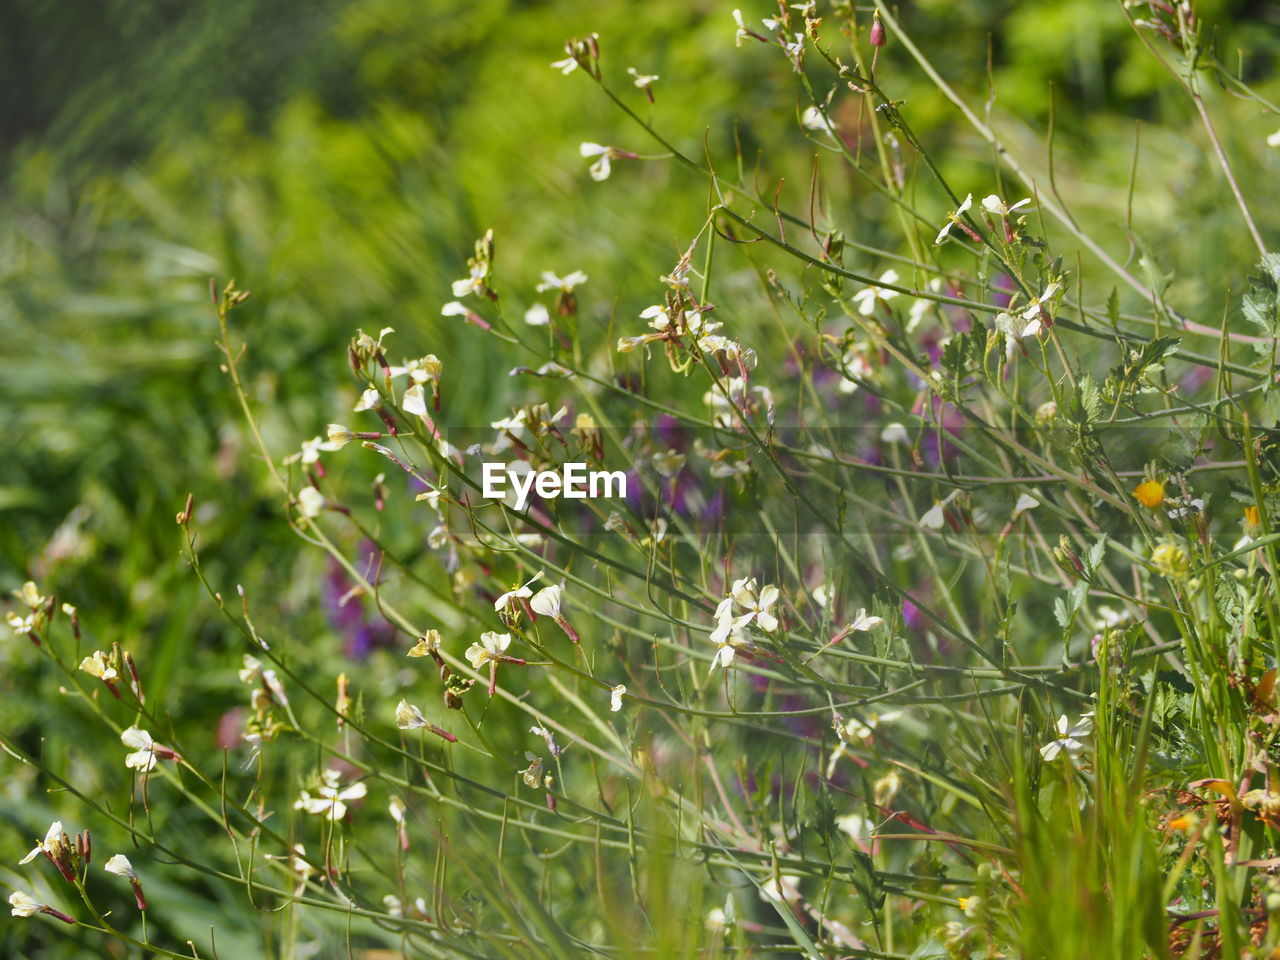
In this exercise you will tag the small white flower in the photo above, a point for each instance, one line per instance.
(743, 33)
(330, 800)
(565, 66)
(537, 316)
(1016, 329)
(759, 605)
(519, 593)
(310, 502)
(601, 169)
(144, 757)
(52, 838)
(451, 309)
(1069, 738)
(414, 401)
(409, 717)
(895, 433)
(863, 623)
(642, 80)
(1025, 502)
(953, 219)
(311, 449)
(814, 119)
(669, 463)
(566, 283)
(397, 809)
(492, 646)
(728, 636)
(615, 696)
(546, 602)
(994, 205)
(96, 666)
(23, 905)
(473, 282)
(368, 400)
(1274, 139)
(867, 297)
(935, 516)
(1035, 309)
(120, 866)
(856, 827)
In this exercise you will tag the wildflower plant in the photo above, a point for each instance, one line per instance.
(941, 589)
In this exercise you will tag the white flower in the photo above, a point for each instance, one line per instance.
(409, 717)
(994, 205)
(953, 219)
(856, 367)
(1036, 308)
(565, 66)
(52, 839)
(783, 889)
(310, 502)
(1188, 508)
(519, 593)
(1025, 502)
(120, 866)
(23, 905)
(339, 435)
(862, 623)
(330, 801)
(492, 646)
(758, 605)
(451, 309)
(814, 119)
(367, 344)
(642, 80)
(96, 665)
(146, 751)
(546, 602)
(1016, 328)
(310, 450)
(867, 297)
(566, 283)
(728, 636)
(414, 401)
(615, 696)
(396, 809)
(368, 400)
(600, 169)
(253, 673)
(657, 316)
(935, 516)
(473, 282)
(1274, 139)
(743, 32)
(1069, 737)
(895, 433)
(859, 828)
(537, 316)
(669, 463)
(920, 306)
(30, 595)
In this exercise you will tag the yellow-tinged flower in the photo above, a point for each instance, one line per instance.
(1171, 560)
(409, 717)
(615, 696)
(427, 645)
(1150, 493)
(97, 666)
(24, 905)
(492, 646)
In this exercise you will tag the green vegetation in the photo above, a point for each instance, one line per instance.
(939, 622)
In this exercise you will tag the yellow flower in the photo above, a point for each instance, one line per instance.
(1150, 493)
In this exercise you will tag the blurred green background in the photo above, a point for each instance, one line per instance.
(339, 158)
